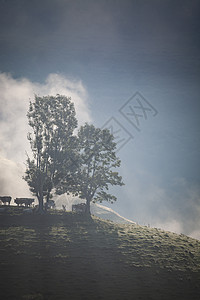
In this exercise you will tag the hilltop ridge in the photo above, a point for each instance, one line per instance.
(70, 256)
(97, 210)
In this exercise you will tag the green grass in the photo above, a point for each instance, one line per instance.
(69, 256)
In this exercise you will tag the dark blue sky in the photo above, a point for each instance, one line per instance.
(101, 39)
(118, 48)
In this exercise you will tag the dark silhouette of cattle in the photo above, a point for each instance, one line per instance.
(5, 199)
(79, 208)
(26, 201)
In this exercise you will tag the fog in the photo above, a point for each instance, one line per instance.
(101, 53)
(14, 102)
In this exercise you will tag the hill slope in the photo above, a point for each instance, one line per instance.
(106, 213)
(97, 210)
(69, 256)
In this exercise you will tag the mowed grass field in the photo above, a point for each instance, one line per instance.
(64, 255)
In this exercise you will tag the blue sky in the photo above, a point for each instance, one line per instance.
(114, 49)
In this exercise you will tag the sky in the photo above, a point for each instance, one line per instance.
(130, 66)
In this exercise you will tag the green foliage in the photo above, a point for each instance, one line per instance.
(82, 165)
(97, 158)
(53, 121)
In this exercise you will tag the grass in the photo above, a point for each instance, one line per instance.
(69, 256)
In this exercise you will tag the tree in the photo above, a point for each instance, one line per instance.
(53, 144)
(97, 158)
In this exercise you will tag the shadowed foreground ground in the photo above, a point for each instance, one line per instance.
(68, 256)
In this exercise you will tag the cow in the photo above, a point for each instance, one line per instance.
(79, 208)
(26, 201)
(5, 199)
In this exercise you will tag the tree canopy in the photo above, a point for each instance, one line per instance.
(52, 120)
(82, 164)
(97, 159)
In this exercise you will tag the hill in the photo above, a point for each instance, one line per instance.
(70, 256)
(106, 213)
(97, 210)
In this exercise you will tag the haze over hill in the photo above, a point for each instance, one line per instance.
(101, 53)
(97, 210)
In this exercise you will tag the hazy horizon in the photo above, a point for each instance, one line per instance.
(102, 54)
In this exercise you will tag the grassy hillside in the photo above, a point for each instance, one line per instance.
(69, 256)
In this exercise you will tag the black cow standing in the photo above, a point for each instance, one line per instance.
(26, 201)
(5, 199)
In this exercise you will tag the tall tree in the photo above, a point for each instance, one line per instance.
(97, 159)
(53, 121)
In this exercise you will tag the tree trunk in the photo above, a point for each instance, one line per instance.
(48, 196)
(40, 209)
(87, 211)
(47, 201)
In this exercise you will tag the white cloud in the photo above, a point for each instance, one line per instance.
(11, 182)
(14, 102)
(58, 84)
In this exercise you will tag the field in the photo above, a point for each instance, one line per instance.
(64, 255)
